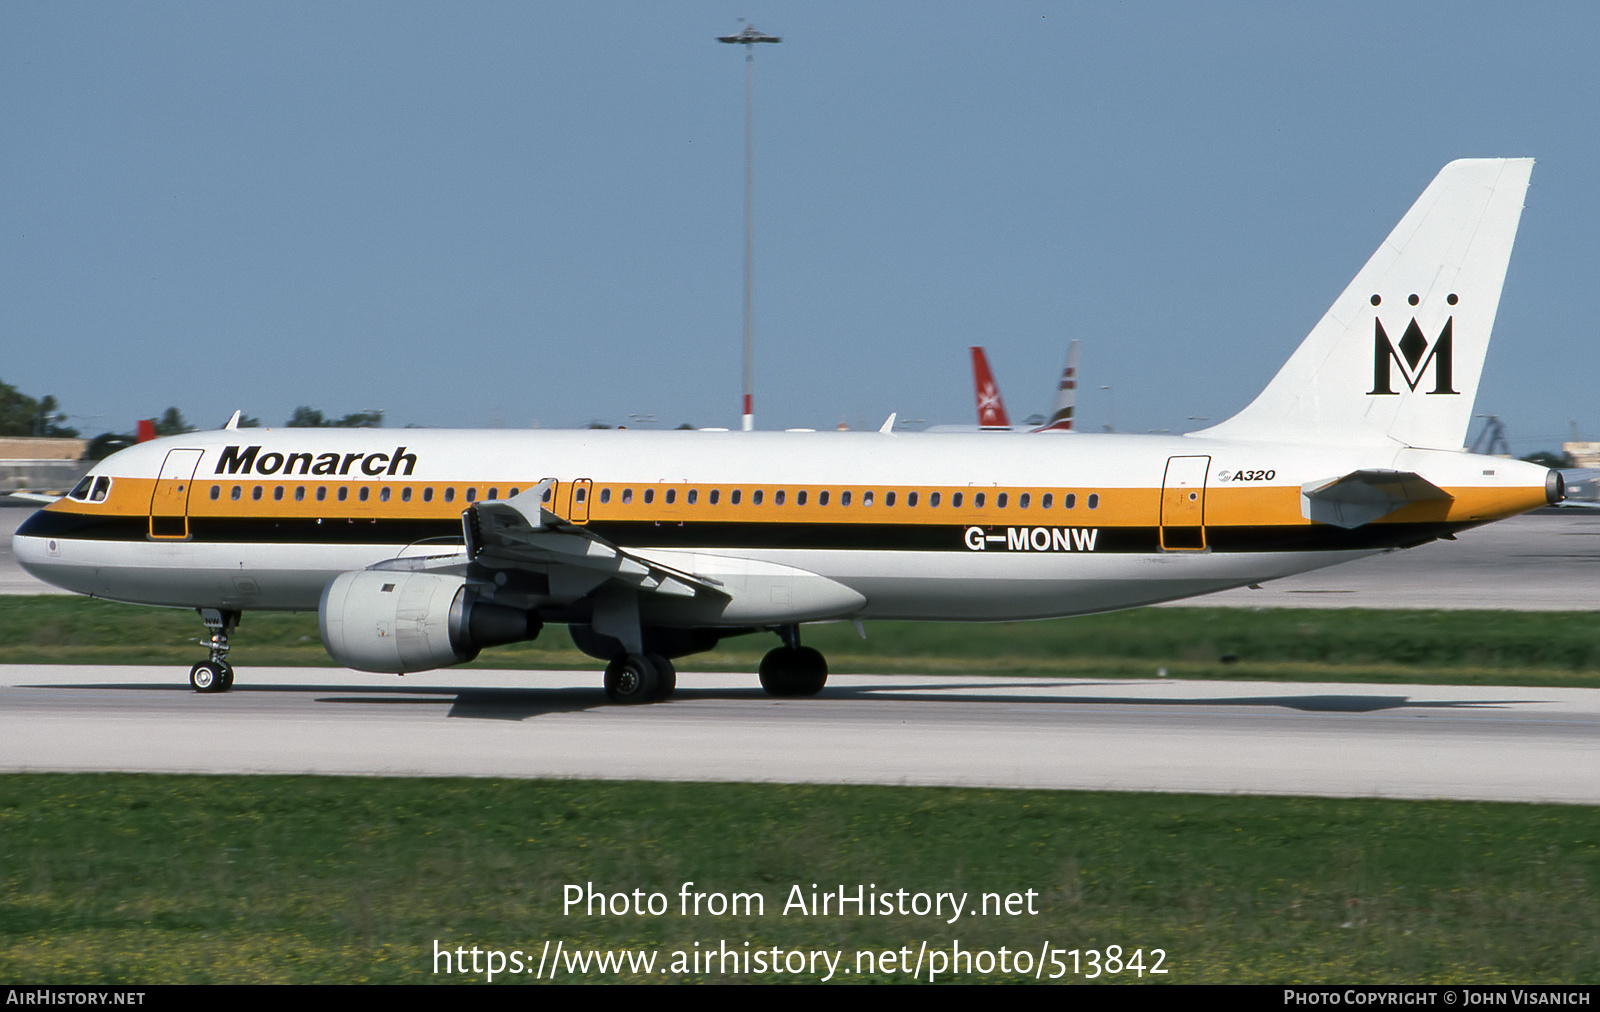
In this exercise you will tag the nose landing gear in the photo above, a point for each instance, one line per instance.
(215, 674)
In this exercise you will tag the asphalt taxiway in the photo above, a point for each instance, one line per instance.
(1394, 741)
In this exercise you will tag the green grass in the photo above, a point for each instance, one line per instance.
(150, 879)
(1438, 647)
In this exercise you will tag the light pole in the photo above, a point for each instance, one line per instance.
(748, 37)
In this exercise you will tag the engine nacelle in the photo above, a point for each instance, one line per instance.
(395, 622)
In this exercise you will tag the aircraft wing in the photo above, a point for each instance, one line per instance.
(520, 533)
(1361, 497)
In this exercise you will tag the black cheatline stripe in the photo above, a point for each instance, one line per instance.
(254, 530)
(672, 534)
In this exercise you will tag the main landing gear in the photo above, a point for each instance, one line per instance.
(793, 670)
(634, 675)
(640, 678)
(215, 674)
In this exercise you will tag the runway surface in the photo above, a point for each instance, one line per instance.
(1544, 561)
(1395, 741)
(1548, 560)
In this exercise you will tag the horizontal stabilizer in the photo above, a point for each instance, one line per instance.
(1362, 497)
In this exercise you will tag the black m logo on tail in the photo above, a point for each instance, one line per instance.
(1413, 357)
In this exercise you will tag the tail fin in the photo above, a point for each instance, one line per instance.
(1066, 395)
(1398, 356)
(991, 410)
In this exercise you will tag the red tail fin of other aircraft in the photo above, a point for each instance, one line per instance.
(991, 409)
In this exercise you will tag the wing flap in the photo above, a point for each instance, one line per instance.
(520, 532)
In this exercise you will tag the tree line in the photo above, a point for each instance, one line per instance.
(22, 415)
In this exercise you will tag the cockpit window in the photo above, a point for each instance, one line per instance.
(93, 488)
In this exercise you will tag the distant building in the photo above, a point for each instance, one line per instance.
(1583, 454)
(39, 464)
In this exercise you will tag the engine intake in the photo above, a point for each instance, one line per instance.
(395, 622)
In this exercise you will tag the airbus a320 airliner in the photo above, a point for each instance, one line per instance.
(419, 549)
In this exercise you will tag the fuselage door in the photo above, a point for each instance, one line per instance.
(1183, 504)
(169, 504)
(578, 508)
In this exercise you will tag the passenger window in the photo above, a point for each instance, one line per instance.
(255, 493)
(800, 498)
(933, 500)
(715, 495)
(672, 496)
(450, 493)
(1070, 502)
(494, 493)
(513, 493)
(1001, 499)
(299, 493)
(344, 492)
(472, 493)
(1094, 500)
(216, 491)
(755, 498)
(322, 492)
(427, 494)
(362, 494)
(844, 498)
(822, 498)
(955, 500)
(735, 496)
(1044, 503)
(277, 493)
(383, 494)
(235, 493)
(694, 496)
(649, 496)
(911, 499)
(627, 496)
(777, 498)
(605, 496)
(866, 498)
(978, 500)
(1023, 500)
(405, 494)
(888, 498)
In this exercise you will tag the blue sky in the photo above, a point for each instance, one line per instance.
(509, 213)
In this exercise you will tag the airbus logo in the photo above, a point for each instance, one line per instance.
(1033, 539)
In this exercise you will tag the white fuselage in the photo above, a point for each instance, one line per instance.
(920, 526)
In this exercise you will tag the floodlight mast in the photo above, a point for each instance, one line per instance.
(748, 37)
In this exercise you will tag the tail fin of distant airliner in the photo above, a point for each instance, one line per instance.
(1066, 395)
(1398, 356)
(991, 410)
